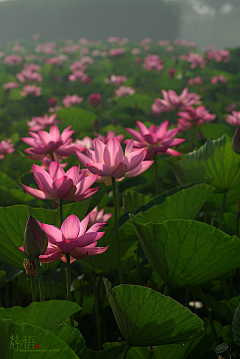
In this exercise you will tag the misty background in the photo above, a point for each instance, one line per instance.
(205, 22)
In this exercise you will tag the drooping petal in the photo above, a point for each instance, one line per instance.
(70, 227)
(139, 169)
(36, 193)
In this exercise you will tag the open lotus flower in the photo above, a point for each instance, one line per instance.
(55, 185)
(71, 238)
(194, 117)
(108, 161)
(44, 143)
(234, 118)
(42, 122)
(171, 101)
(6, 147)
(98, 216)
(155, 139)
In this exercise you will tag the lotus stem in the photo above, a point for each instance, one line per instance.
(127, 347)
(50, 285)
(120, 267)
(40, 280)
(156, 174)
(33, 288)
(69, 285)
(222, 211)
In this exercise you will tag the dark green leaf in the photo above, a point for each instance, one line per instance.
(71, 336)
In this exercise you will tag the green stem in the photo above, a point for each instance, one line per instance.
(166, 290)
(64, 282)
(127, 347)
(69, 284)
(156, 174)
(61, 212)
(138, 264)
(50, 285)
(202, 296)
(40, 280)
(120, 267)
(97, 312)
(33, 288)
(222, 211)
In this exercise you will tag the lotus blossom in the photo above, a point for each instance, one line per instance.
(12, 60)
(56, 184)
(163, 43)
(172, 101)
(31, 90)
(5, 148)
(234, 118)
(86, 142)
(195, 81)
(95, 99)
(124, 91)
(110, 134)
(116, 80)
(78, 65)
(194, 117)
(43, 122)
(108, 161)
(72, 238)
(153, 62)
(10, 85)
(155, 139)
(44, 143)
(27, 75)
(218, 79)
(196, 60)
(116, 52)
(98, 216)
(69, 100)
(78, 75)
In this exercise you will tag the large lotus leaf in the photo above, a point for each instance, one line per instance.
(184, 204)
(80, 120)
(13, 222)
(214, 163)
(71, 336)
(108, 259)
(46, 315)
(109, 353)
(147, 318)
(31, 342)
(132, 200)
(188, 253)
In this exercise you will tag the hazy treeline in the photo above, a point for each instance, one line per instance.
(93, 19)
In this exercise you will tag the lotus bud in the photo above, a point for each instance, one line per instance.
(35, 239)
(236, 141)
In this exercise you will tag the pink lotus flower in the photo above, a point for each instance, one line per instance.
(163, 43)
(116, 80)
(71, 238)
(78, 66)
(153, 62)
(194, 117)
(110, 134)
(218, 79)
(69, 100)
(31, 90)
(98, 217)
(195, 81)
(155, 139)
(234, 118)
(136, 51)
(172, 101)
(78, 76)
(28, 75)
(47, 160)
(196, 60)
(108, 161)
(95, 99)
(124, 91)
(86, 142)
(116, 52)
(12, 60)
(44, 143)
(70, 186)
(10, 85)
(5, 148)
(43, 122)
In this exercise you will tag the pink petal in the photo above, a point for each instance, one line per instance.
(43, 180)
(119, 171)
(45, 137)
(134, 159)
(62, 186)
(70, 227)
(73, 173)
(113, 153)
(36, 193)
(55, 134)
(99, 148)
(83, 158)
(55, 170)
(85, 183)
(172, 152)
(135, 134)
(162, 130)
(139, 169)
(88, 193)
(129, 147)
(150, 138)
(66, 134)
(88, 238)
(50, 257)
(99, 168)
(142, 128)
(96, 227)
(83, 225)
(54, 233)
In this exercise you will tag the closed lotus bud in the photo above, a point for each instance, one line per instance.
(35, 239)
(236, 141)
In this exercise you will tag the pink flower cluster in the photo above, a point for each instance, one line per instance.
(12, 60)
(69, 100)
(116, 52)
(195, 81)
(234, 118)
(116, 80)
(31, 90)
(153, 62)
(43, 122)
(6, 147)
(193, 117)
(28, 75)
(124, 91)
(218, 79)
(218, 55)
